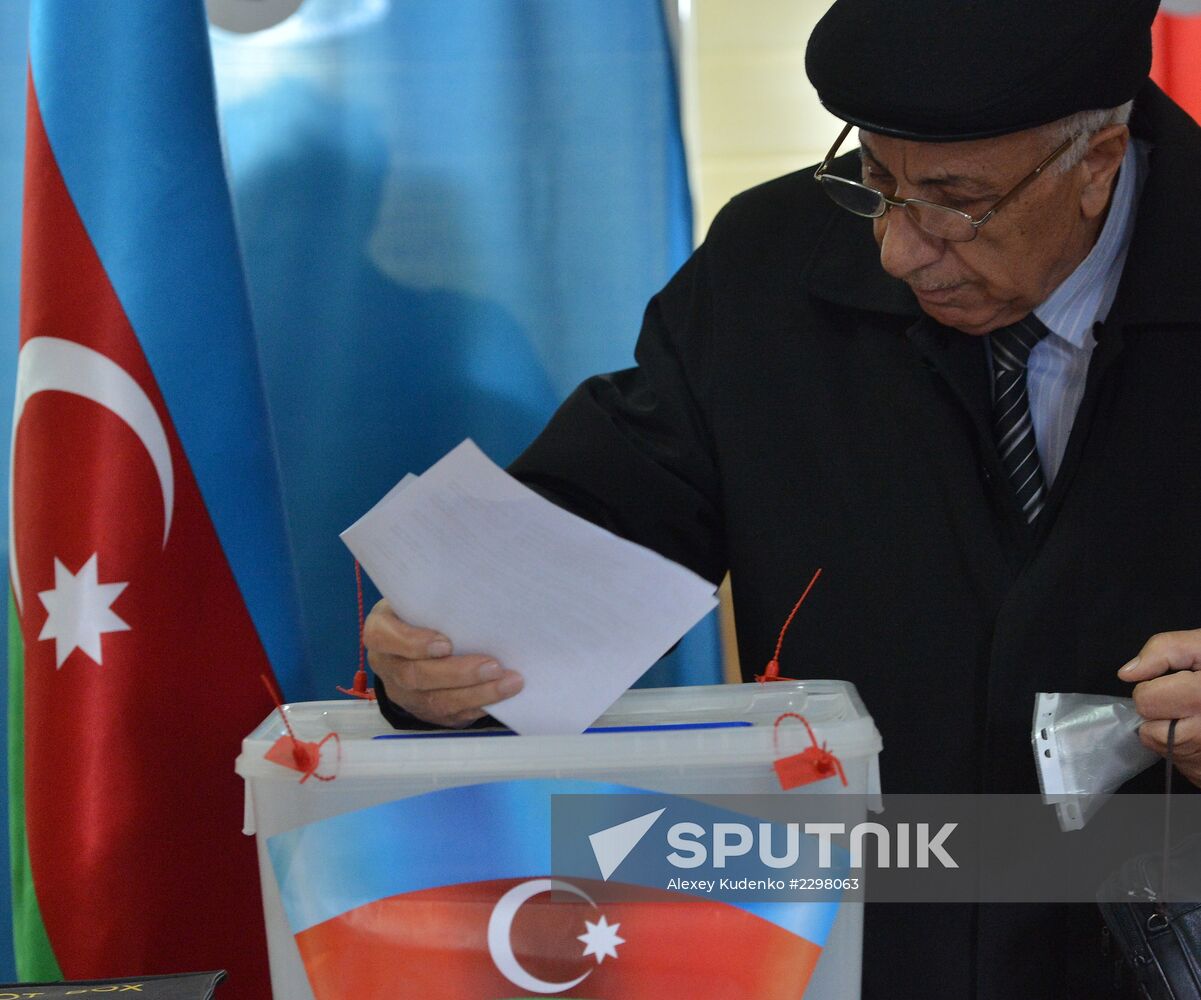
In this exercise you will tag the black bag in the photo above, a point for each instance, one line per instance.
(1160, 941)
(186, 986)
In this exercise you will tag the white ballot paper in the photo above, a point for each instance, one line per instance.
(580, 613)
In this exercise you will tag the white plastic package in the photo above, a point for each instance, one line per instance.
(1086, 746)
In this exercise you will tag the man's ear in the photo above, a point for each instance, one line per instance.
(1106, 148)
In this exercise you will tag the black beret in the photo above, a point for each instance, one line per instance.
(945, 70)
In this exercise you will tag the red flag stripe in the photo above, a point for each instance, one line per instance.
(133, 810)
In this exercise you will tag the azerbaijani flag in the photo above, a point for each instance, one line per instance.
(150, 581)
(445, 895)
(1176, 53)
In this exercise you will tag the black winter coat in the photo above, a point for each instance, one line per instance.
(792, 408)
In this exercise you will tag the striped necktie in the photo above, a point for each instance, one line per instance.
(1011, 347)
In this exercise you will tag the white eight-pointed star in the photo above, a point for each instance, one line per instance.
(80, 611)
(601, 939)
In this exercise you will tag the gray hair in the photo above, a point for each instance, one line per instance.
(1081, 125)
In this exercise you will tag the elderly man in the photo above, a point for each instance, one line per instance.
(982, 424)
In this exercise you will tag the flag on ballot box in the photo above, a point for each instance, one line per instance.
(150, 582)
(446, 895)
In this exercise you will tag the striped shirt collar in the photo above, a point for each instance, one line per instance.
(1084, 297)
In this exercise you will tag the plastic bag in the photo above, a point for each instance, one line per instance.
(1086, 746)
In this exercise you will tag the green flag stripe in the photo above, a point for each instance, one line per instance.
(35, 958)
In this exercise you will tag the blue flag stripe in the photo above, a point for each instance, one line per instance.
(190, 312)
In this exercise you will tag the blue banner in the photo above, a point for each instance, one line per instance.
(451, 215)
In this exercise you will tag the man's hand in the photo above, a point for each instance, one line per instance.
(1167, 672)
(423, 678)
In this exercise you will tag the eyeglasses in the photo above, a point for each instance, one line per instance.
(937, 220)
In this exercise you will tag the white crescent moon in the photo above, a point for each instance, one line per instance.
(51, 363)
(500, 925)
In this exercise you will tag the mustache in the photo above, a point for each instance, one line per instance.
(927, 283)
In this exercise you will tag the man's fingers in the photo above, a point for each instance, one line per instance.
(1187, 741)
(1162, 699)
(385, 632)
(449, 692)
(1165, 652)
(449, 673)
(1186, 746)
(404, 674)
(422, 677)
(1175, 696)
(462, 706)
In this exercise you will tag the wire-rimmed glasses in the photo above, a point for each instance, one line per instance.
(938, 220)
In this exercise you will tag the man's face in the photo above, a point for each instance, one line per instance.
(1017, 258)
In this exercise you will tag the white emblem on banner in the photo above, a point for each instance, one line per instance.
(500, 943)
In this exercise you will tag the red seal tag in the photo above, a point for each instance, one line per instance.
(301, 755)
(812, 764)
(298, 755)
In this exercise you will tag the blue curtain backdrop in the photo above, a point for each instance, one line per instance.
(451, 213)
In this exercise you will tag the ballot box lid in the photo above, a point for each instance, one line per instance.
(714, 724)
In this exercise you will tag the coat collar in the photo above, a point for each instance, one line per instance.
(1159, 284)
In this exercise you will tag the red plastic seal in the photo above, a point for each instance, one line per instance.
(299, 755)
(302, 756)
(812, 764)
